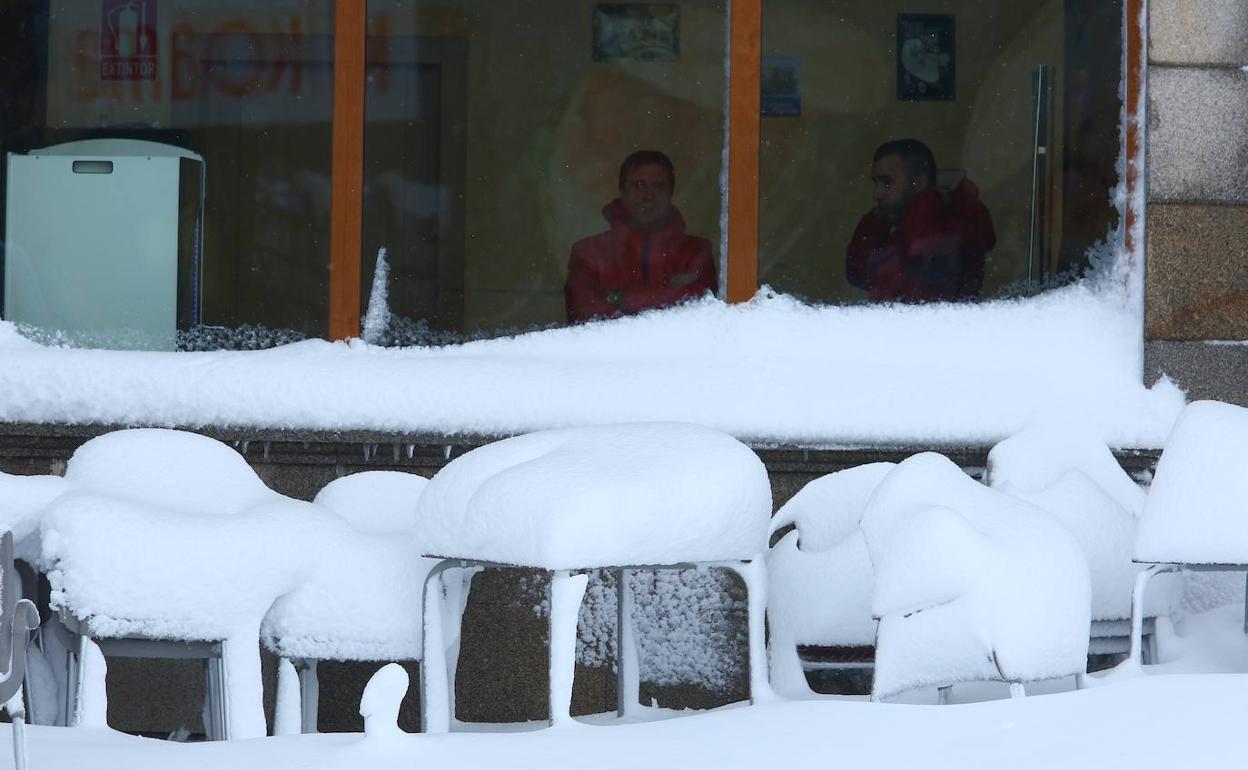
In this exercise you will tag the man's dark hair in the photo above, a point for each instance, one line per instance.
(917, 156)
(647, 158)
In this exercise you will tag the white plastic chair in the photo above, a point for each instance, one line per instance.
(18, 618)
(970, 584)
(363, 604)
(1071, 473)
(819, 576)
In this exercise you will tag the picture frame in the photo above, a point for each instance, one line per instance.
(636, 32)
(926, 57)
(781, 87)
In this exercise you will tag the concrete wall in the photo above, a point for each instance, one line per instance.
(1196, 295)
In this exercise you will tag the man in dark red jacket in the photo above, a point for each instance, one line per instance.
(646, 260)
(920, 243)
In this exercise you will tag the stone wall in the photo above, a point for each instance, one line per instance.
(1196, 289)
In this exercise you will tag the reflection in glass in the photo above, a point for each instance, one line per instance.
(493, 139)
(1018, 103)
(248, 87)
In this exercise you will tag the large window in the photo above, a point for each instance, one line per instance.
(493, 141)
(245, 86)
(1018, 102)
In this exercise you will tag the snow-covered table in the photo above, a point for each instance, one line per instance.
(618, 497)
(1196, 515)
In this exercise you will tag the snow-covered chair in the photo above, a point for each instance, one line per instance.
(1069, 471)
(614, 496)
(970, 584)
(1196, 515)
(364, 606)
(169, 546)
(18, 618)
(819, 575)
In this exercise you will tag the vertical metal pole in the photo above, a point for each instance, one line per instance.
(309, 695)
(1039, 160)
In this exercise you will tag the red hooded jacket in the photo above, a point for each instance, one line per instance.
(936, 253)
(632, 268)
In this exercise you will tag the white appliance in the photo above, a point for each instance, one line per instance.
(102, 242)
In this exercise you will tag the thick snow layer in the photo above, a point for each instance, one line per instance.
(772, 369)
(658, 493)
(170, 469)
(1197, 509)
(375, 501)
(1038, 456)
(22, 500)
(1150, 723)
(996, 585)
(828, 509)
(1068, 471)
(126, 567)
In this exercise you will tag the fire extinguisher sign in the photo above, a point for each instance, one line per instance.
(127, 39)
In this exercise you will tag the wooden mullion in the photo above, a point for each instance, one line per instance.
(347, 172)
(744, 128)
(1134, 87)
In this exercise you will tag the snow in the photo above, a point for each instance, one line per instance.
(613, 495)
(375, 501)
(1069, 472)
(380, 703)
(770, 370)
(1197, 508)
(970, 583)
(22, 500)
(1152, 722)
(169, 469)
(820, 577)
(566, 593)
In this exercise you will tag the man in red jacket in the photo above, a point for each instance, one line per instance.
(646, 260)
(920, 243)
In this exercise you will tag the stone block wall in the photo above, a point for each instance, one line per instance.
(1196, 289)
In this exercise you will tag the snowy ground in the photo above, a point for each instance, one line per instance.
(1156, 721)
(1174, 715)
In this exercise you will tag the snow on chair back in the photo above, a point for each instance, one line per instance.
(17, 618)
(1197, 508)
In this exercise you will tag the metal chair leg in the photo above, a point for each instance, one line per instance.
(309, 694)
(1137, 608)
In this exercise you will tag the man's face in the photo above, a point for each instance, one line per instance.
(893, 186)
(647, 195)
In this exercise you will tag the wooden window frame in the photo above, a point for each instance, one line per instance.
(744, 136)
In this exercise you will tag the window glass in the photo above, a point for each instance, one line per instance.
(218, 238)
(494, 138)
(1017, 101)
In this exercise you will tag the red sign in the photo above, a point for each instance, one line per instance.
(128, 40)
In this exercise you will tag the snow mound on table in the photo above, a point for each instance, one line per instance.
(612, 495)
(1039, 455)
(132, 568)
(170, 469)
(375, 501)
(971, 584)
(1197, 508)
(22, 502)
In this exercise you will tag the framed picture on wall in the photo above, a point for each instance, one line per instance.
(780, 84)
(636, 32)
(926, 57)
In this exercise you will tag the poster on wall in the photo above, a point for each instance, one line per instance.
(128, 39)
(926, 57)
(781, 87)
(636, 32)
